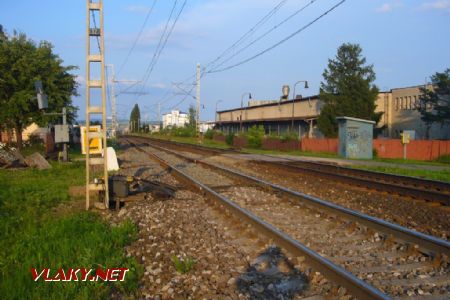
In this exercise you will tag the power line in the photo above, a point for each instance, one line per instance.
(280, 42)
(250, 32)
(137, 37)
(95, 26)
(158, 53)
(264, 34)
(245, 36)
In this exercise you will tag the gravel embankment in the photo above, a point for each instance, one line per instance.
(413, 214)
(229, 256)
(360, 251)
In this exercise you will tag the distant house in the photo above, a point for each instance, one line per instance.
(175, 118)
(204, 126)
(32, 130)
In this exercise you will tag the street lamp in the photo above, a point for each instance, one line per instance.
(242, 103)
(217, 102)
(293, 100)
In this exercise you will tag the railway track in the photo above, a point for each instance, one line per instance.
(371, 258)
(416, 188)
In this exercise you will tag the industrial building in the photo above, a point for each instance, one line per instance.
(300, 116)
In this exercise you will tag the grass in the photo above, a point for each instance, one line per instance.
(36, 234)
(294, 153)
(442, 175)
(188, 140)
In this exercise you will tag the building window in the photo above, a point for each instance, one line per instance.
(415, 102)
(402, 101)
(409, 102)
(396, 103)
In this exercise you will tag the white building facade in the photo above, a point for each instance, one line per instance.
(175, 118)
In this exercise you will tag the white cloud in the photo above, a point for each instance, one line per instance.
(159, 85)
(437, 5)
(80, 79)
(140, 9)
(388, 7)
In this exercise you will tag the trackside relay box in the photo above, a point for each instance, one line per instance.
(355, 137)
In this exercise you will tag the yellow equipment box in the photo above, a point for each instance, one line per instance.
(95, 144)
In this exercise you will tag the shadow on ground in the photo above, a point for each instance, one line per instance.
(272, 276)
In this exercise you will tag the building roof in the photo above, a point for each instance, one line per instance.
(355, 119)
(315, 97)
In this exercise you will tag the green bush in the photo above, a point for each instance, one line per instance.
(289, 136)
(254, 136)
(209, 134)
(229, 139)
(185, 131)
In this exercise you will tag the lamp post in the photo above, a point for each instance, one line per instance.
(217, 102)
(242, 104)
(293, 100)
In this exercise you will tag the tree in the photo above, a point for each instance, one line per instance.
(192, 117)
(135, 118)
(348, 89)
(22, 62)
(435, 103)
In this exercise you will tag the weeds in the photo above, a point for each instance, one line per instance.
(184, 264)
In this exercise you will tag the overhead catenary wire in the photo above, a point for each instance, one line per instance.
(280, 42)
(213, 69)
(159, 43)
(162, 42)
(95, 26)
(244, 37)
(137, 37)
(250, 32)
(263, 35)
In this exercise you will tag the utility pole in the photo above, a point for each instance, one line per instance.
(159, 116)
(197, 117)
(114, 98)
(96, 32)
(113, 103)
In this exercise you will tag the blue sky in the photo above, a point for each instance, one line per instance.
(406, 41)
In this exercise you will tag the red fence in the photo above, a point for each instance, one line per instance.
(418, 149)
(276, 144)
(219, 138)
(239, 142)
(385, 148)
(320, 145)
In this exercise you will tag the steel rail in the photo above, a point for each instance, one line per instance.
(407, 187)
(428, 244)
(437, 185)
(365, 182)
(337, 274)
